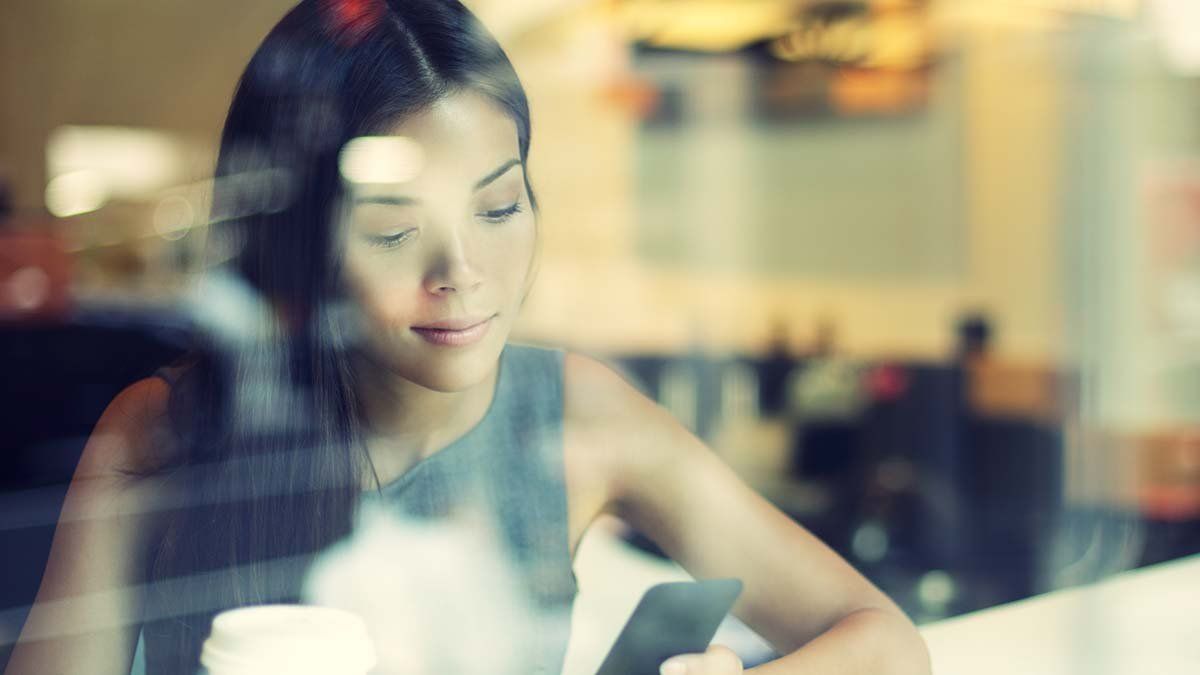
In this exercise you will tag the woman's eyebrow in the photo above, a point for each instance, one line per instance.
(400, 200)
(487, 180)
(388, 200)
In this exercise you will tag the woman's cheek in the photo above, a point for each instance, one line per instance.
(382, 300)
(516, 254)
(392, 307)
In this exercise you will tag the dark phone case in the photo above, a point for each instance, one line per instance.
(671, 619)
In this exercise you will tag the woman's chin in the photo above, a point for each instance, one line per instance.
(453, 370)
(449, 382)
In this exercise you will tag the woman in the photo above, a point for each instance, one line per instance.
(372, 194)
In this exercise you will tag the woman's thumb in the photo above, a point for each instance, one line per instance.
(718, 660)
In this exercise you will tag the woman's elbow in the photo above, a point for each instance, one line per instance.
(901, 648)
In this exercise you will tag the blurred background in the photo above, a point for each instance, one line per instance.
(925, 273)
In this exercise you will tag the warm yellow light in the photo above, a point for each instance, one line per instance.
(75, 193)
(706, 25)
(131, 163)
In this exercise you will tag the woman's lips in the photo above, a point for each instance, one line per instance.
(454, 338)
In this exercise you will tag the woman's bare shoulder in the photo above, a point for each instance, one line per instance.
(111, 520)
(591, 392)
(595, 393)
(133, 436)
(603, 412)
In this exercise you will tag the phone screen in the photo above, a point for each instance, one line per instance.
(671, 619)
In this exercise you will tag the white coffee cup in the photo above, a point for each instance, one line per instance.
(293, 639)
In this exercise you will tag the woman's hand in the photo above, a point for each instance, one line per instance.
(718, 660)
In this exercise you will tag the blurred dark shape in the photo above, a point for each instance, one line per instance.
(645, 371)
(659, 101)
(1168, 492)
(974, 336)
(829, 11)
(826, 397)
(907, 475)
(6, 200)
(786, 92)
(886, 382)
(824, 400)
(983, 496)
(825, 341)
(926, 483)
(773, 371)
(921, 477)
(706, 372)
(668, 109)
(1010, 489)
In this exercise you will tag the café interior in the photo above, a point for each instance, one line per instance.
(916, 270)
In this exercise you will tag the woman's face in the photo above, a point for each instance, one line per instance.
(439, 260)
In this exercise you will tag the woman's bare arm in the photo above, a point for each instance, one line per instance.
(87, 613)
(808, 602)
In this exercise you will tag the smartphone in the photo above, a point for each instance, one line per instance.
(671, 619)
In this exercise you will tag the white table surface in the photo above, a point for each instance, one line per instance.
(1141, 622)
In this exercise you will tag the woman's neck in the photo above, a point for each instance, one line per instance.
(405, 422)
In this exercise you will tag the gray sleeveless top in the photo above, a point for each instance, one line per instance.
(510, 465)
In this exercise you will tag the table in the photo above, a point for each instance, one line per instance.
(1140, 622)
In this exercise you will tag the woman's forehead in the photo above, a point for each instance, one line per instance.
(461, 126)
(461, 142)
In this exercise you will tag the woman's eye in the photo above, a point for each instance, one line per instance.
(501, 215)
(390, 240)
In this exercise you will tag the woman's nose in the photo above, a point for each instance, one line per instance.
(453, 270)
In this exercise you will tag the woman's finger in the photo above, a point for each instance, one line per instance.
(718, 660)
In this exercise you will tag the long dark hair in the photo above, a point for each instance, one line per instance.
(272, 458)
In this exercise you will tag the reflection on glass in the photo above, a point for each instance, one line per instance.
(921, 275)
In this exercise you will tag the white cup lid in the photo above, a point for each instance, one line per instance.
(298, 639)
